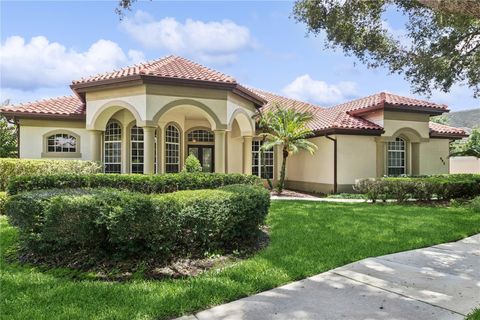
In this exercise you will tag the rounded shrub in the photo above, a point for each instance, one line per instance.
(121, 223)
(11, 168)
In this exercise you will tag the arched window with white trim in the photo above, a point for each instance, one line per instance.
(136, 149)
(113, 148)
(172, 149)
(61, 142)
(396, 157)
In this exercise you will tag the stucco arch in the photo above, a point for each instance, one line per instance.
(210, 115)
(106, 111)
(244, 120)
(411, 135)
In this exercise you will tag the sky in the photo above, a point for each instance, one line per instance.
(46, 45)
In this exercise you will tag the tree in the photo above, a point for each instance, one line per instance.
(442, 119)
(439, 47)
(192, 164)
(8, 139)
(471, 147)
(288, 129)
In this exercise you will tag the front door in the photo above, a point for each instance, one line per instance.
(204, 154)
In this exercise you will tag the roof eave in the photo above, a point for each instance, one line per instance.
(36, 115)
(350, 131)
(398, 108)
(444, 135)
(81, 88)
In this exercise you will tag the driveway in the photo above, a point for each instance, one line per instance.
(439, 282)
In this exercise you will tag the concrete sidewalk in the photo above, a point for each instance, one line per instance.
(439, 282)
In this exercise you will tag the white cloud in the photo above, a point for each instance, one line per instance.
(317, 91)
(213, 41)
(40, 63)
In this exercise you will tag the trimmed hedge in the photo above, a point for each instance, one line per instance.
(133, 182)
(446, 187)
(3, 200)
(117, 223)
(11, 168)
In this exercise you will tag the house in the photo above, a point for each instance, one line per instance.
(148, 117)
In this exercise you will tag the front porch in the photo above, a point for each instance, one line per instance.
(125, 143)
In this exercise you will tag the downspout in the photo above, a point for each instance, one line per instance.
(335, 184)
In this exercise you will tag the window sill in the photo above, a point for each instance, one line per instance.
(70, 155)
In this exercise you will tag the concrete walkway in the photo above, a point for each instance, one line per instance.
(439, 282)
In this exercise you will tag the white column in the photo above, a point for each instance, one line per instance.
(247, 155)
(148, 150)
(96, 145)
(220, 151)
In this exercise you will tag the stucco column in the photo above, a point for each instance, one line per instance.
(247, 155)
(220, 151)
(96, 145)
(380, 158)
(148, 150)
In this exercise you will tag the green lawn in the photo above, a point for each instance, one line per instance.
(306, 238)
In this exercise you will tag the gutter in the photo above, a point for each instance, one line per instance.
(335, 158)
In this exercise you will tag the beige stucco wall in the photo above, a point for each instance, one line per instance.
(234, 150)
(434, 157)
(464, 165)
(32, 132)
(356, 158)
(311, 169)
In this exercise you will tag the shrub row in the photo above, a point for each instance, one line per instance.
(121, 223)
(133, 182)
(454, 186)
(3, 200)
(10, 168)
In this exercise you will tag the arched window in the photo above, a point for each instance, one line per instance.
(61, 142)
(396, 159)
(172, 149)
(200, 136)
(136, 149)
(113, 148)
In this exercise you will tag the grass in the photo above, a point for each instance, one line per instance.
(306, 238)
(474, 315)
(347, 196)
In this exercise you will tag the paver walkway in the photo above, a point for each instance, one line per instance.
(439, 282)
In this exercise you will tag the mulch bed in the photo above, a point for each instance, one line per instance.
(291, 193)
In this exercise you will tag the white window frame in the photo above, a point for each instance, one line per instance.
(257, 154)
(137, 146)
(71, 153)
(400, 153)
(112, 145)
(175, 145)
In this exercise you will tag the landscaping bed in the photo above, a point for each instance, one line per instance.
(306, 238)
(106, 229)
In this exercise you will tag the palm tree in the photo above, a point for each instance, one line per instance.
(287, 128)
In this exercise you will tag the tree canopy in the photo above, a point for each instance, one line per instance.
(438, 47)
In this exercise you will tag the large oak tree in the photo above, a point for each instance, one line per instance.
(438, 47)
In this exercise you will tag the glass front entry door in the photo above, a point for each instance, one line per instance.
(204, 154)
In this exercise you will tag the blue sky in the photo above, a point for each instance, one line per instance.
(45, 45)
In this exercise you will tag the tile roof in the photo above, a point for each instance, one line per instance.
(272, 99)
(379, 100)
(172, 67)
(437, 129)
(70, 106)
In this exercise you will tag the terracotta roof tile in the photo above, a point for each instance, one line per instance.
(273, 99)
(444, 130)
(378, 100)
(173, 67)
(61, 106)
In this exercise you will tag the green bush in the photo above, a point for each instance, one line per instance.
(475, 205)
(192, 164)
(454, 186)
(121, 223)
(3, 200)
(133, 182)
(11, 168)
